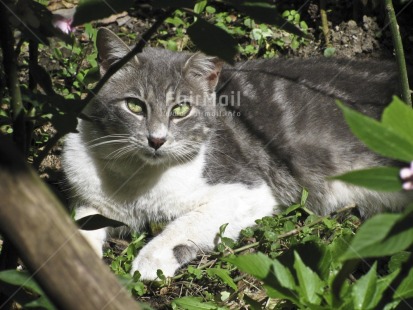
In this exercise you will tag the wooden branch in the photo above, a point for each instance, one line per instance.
(49, 243)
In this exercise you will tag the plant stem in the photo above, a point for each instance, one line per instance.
(324, 22)
(398, 46)
(10, 70)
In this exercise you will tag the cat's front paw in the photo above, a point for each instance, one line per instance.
(152, 258)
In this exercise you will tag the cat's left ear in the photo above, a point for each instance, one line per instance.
(204, 68)
(110, 48)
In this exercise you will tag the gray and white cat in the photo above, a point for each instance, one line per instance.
(183, 138)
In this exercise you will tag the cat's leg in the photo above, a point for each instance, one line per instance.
(237, 205)
(97, 237)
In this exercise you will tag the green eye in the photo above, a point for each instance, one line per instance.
(135, 105)
(181, 110)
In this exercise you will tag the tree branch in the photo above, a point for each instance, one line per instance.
(50, 244)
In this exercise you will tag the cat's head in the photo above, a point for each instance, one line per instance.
(158, 107)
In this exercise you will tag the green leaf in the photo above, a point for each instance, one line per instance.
(97, 221)
(309, 283)
(91, 10)
(405, 289)
(378, 178)
(200, 6)
(382, 284)
(377, 136)
(399, 117)
(40, 303)
(395, 235)
(224, 275)
(20, 278)
(363, 290)
(257, 265)
(213, 40)
(329, 52)
(397, 260)
(193, 303)
(283, 275)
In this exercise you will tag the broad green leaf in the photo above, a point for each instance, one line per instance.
(309, 284)
(257, 265)
(398, 259)
(224, 275)
(192, 303)
(97, 221)
(200, 6)
(213, 40)
(91, 10)
(278, 280)
(363, 290)
(377, 136)
(382, 284)
(405, 289)
(369, 235)
(399, 117)
(40, 303)
(395, 235)
(20, 278)
(292, 208)
(280, 283)
(378, 178)
(283, 275)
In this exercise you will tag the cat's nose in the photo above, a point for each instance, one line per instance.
(156, 143)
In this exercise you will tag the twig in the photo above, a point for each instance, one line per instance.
(398, 46)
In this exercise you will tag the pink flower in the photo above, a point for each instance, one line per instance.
(406, 174)
(62, 23)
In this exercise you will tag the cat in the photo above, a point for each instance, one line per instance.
(183, 138)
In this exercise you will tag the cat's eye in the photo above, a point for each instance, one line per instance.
(135, 105)
(181, 110)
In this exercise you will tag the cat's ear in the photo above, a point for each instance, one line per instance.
(110, 49)
(204, 68)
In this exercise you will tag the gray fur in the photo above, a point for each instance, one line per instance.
(184, 254)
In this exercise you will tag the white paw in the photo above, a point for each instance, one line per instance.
(96, 239)
(150, 259)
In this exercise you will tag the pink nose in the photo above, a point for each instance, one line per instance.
(156, 143)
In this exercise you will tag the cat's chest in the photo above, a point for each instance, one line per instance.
(167, 193)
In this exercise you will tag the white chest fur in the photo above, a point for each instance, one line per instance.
(134, 192)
